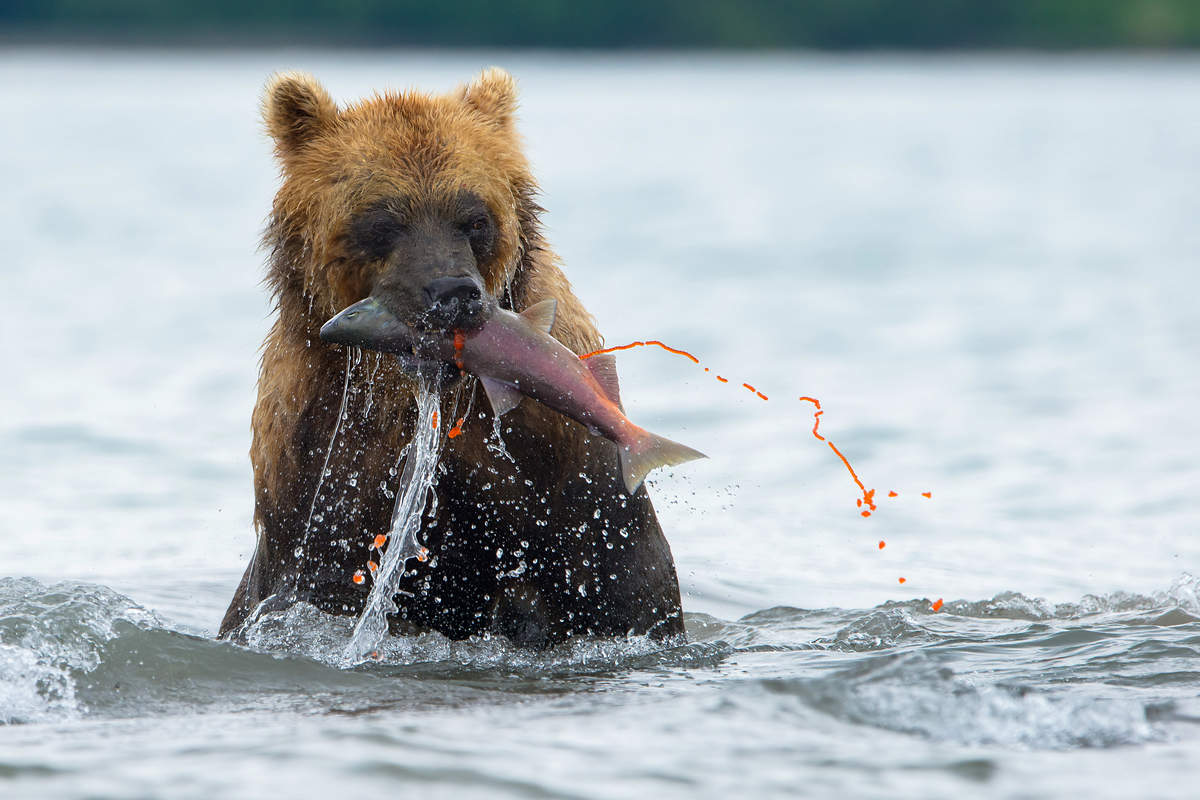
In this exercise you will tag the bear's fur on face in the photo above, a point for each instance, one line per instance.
(420, 200)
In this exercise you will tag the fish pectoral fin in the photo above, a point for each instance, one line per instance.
(604, 369)
(541, 314)
(502, 396)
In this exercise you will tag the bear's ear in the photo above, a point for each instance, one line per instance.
(295, 108)
(493, 94)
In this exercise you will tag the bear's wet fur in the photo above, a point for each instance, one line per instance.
(540, 547)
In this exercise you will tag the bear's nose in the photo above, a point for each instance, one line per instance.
(453, 302)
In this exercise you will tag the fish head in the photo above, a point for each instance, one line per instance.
(369, 324)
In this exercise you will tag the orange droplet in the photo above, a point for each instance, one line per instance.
(937, 606)
(748, 386)
(457, 429)
(435, 418)
(423, 554)
(882, 544)
(706, 369)
(892, 494)
(722, 380)
(460, 339)
(358, 577)
(859, 501)
(926, 494)
(760, 394)
(380, 541)
(866, 513)
(371, 565)
(902, 580)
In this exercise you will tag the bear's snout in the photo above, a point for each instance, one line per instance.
(455, 302)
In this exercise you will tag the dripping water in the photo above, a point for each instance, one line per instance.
(302, 550)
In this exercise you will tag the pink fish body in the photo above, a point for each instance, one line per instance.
(514, 355)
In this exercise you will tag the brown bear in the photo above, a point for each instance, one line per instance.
(427, 202)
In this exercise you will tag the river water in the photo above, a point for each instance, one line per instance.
(983, 268)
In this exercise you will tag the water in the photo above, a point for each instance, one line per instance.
(413, 491)
(983, 268)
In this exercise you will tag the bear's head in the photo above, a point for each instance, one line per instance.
(423, 201)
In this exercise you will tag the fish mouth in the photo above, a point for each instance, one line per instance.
(369, 324)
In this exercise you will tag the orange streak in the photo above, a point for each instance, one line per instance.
(722, 380)
(892, 494)
(937, 606)
(926, 494)
(435, 418)
(457, 429)
(380, 541)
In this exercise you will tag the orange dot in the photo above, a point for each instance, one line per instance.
(859, 501)
(902, 580)
(358, 577)
(892, 494)
(371, 565)
(937, 606)
(926, 494)
(423, 554)
(866, 513)
(882, 544)
(380, 541)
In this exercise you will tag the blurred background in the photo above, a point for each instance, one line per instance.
(778, 24)
(968, 229)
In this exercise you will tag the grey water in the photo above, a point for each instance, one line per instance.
(984, 268)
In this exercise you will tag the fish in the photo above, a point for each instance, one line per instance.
(514, 356)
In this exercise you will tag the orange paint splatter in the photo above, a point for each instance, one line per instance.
(868, 495)
(902, 580)
(358, 577)
(882, 544)
(380, 541)
(460, 339)
(937, 605)
(457, 429)
(631, 345)
(423, 555)
(926, 494)
(371, 565)
(435, 418)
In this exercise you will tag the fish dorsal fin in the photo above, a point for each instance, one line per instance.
(503, 397)
(604, 369)
(541, 314)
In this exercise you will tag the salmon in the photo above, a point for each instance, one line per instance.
(514, 356)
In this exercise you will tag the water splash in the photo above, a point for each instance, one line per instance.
(302, 549)
(420, 457)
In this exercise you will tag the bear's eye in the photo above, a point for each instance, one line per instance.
(478, 224)
(374, 234)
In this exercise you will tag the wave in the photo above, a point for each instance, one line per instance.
(1011, 670)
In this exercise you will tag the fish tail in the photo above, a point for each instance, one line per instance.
(652, 452)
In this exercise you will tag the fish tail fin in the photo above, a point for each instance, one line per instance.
(652, 452)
